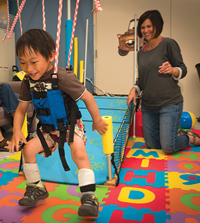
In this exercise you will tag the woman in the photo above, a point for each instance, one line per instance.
(160, 66)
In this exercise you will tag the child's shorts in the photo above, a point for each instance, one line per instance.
(54, 136)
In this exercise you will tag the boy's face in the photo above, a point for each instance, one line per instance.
(35, 65)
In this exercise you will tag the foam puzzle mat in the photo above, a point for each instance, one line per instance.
(154, 188)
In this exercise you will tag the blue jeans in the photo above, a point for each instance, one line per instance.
(160, 128)
(9, 100)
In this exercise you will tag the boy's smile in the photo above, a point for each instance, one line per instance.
(34, 64)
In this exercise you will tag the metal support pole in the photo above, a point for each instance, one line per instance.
(109, 167)
(94, 57)
(135, 64)
(68, 9)
(86, 43)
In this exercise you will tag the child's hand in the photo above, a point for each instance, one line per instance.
(14, 143)
(100, 126)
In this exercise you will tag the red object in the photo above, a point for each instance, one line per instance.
(58, 36)
(16, 17)
(138, 125)
(73, 32)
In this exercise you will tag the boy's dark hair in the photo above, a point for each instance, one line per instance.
(156, 19)
(36, 40)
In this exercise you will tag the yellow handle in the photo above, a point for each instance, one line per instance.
(75, 55)
(107, 138)
(25, 127)
(81, 71)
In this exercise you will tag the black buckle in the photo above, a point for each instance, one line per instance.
(54, 81)
(70, 68)
(43, 111)
(38, 95)
(60, 124)
(48, 128)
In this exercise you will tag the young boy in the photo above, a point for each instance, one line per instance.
(36, 52)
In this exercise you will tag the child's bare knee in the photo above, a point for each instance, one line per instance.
(29, 148)
(79, 154)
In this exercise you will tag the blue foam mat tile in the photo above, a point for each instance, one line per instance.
(5, 177)
(114, 213)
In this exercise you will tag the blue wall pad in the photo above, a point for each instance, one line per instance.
(51, 168)
(117, 115)
(110, 103)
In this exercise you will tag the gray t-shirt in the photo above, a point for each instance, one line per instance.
(159, 90)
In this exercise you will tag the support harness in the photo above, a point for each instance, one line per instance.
(55, 113)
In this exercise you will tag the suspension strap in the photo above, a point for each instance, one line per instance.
(16, 17)
(20, 22)
(43, 16)
(58, 36)
(19, 16)
(97, 6)
(72, 36)
(8, 22)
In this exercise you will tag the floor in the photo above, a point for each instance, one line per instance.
(153, 188)
(8, 135)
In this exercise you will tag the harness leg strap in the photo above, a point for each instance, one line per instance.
(72, 122)
(61, 148)
(43, 141)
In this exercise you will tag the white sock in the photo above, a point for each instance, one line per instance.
(85, 177)
(32, 174)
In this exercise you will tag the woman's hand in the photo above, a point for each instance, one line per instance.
(131, 96)
(167, 68)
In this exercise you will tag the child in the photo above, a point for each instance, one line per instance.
(36, 52)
